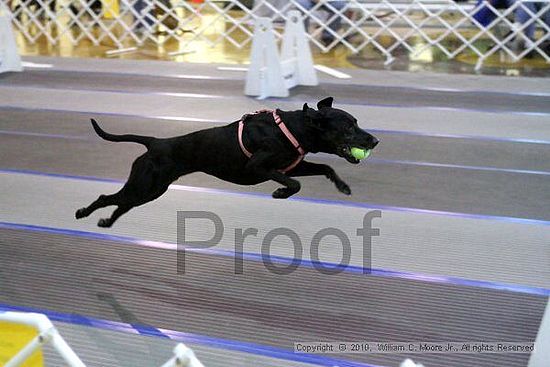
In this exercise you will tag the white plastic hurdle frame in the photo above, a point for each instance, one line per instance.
(47, 334)
(541, 354)
(271, 75)
(410, 363)
(9, 56)
(183, 357)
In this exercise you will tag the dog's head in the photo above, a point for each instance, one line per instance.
(337, 130)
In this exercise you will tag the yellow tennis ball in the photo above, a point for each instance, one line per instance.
(360, 153)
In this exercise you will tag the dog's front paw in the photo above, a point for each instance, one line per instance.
(343, 187)
(80, 213)
(104, 222)
(282, 193)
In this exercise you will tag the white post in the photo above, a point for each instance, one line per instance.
(183, 357)
(410, 363)
(297, 51)
(541, 355)
(272, 76)
(9, 57)
(264, 77)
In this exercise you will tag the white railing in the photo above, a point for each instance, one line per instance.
(46, 333)
(388, 26)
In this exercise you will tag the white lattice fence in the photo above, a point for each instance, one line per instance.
(389, 26)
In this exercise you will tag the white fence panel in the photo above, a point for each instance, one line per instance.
(520, 30)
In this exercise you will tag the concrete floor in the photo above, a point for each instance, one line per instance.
(461, 176)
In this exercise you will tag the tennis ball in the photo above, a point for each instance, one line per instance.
(360, 153)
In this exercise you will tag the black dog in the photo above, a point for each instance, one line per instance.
(261, 151)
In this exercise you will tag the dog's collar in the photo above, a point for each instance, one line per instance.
(284, 129)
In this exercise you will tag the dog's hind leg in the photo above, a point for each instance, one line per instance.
(149, 179)
(101, 202)
(139, 165)
(125, 207)
(107, 222)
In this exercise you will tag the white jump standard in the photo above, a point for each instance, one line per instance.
(271, 75)
(9, 57)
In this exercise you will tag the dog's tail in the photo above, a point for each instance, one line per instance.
(145, 140)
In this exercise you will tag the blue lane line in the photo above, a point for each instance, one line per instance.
(59, 175)
(41, 135)
(115, 114)
(225, 344)
(374, 131)
(458, 166)
(354, 269)
(167, 76)
(372, 160)
(467, 92)
(219, 122)
(458, 136)
(350, 204)
(169, 94)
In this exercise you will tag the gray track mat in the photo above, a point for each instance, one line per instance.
(377, 181)
(100, 348)
(398, 146)
(461, 178)
(412, 119)
(425, 243)
(426, 80)
(141, 286)
(345, 94)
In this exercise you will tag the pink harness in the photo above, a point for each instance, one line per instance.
(284, 129)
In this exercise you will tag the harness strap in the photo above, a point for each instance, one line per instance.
(243, 148)
(285, 130)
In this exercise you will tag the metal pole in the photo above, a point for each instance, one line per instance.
(48, 333)
(183, 357)
(30, 348)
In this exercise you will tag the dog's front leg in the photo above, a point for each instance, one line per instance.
(315, 169)
(292, 186)
(260, 164)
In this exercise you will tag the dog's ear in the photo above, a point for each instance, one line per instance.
(309, 113)
(325, 103)
(312, 116)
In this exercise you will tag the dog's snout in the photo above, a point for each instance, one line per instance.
(375, 142)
